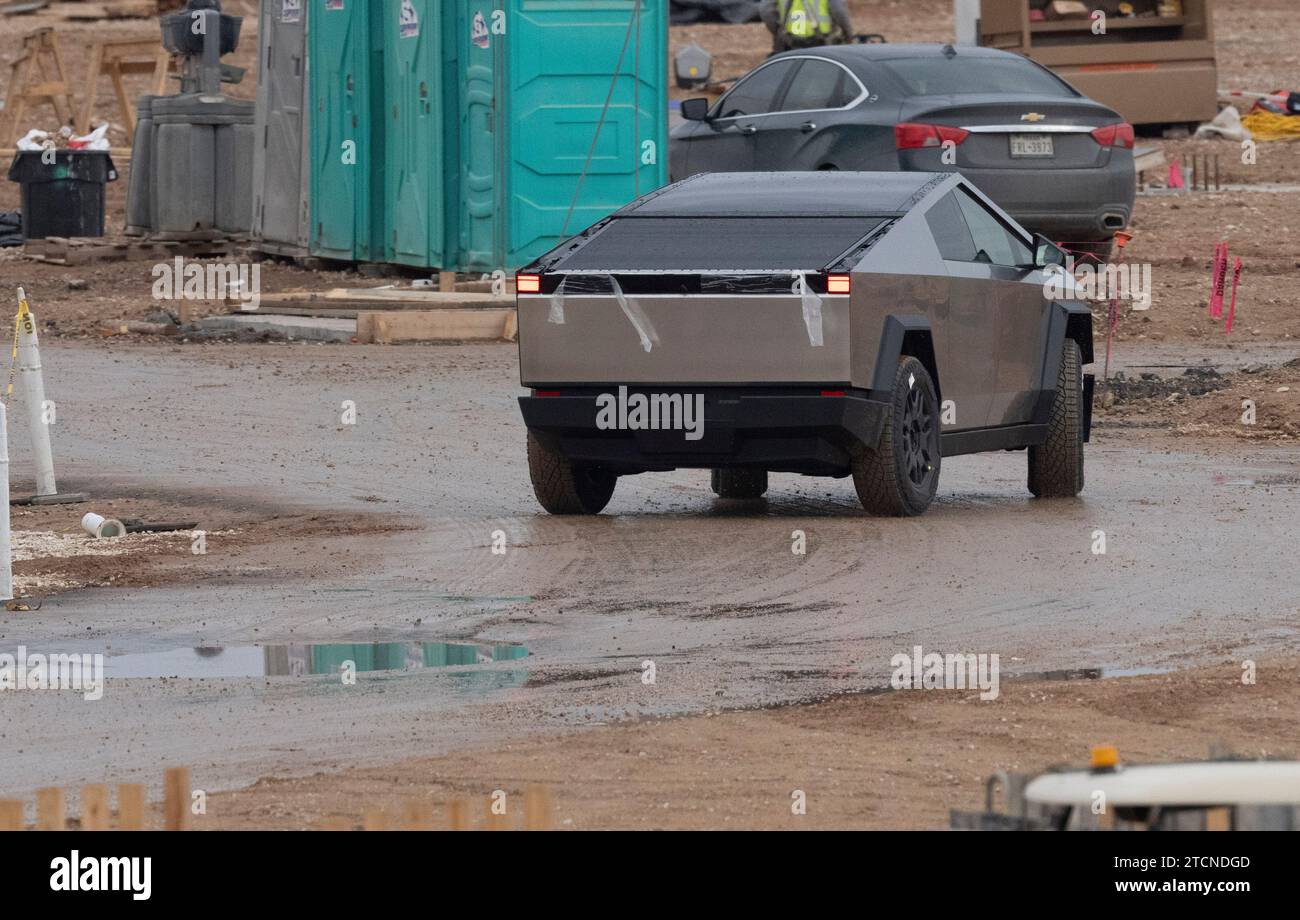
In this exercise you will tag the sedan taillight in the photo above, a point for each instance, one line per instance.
(1120, 135)
(912, 136)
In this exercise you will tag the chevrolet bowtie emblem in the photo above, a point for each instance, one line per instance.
(1032, 116)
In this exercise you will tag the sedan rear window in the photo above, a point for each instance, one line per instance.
(957, 76)
(718, 244)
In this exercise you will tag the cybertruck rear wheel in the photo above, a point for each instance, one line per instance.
(899, 478)
(1056, 466)
(563, 488)
(739, 483)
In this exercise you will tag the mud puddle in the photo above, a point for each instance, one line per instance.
(304, 660)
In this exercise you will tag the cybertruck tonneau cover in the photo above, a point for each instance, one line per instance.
(742, 222)
(789, 194)
(717, 244)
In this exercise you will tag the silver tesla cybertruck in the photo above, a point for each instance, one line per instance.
(862, 324)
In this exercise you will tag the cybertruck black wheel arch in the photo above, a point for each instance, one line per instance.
(905, 335)
(1071, 322)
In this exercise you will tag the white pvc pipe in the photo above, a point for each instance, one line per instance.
(101, 527)
(6, 557)
(33, 381)
(966, 14)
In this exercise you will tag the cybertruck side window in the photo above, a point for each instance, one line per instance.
(993, 241)
(756, 94)
(950, 231)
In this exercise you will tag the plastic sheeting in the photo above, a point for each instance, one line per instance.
(603, 286)
(557, 304)
(636, 316)
(812, 309)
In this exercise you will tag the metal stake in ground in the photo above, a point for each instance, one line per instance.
(28, 355)
(1122, 239)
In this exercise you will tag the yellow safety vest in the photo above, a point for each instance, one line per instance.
(806, 18)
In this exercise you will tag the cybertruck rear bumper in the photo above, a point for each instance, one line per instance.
(793, 430)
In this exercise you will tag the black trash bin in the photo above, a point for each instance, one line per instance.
(65, 197)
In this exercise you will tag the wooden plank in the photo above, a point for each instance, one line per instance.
(51, 810)
(458, 815)
(130, 807)
(89, 250)
(94, 808)
(90, 87)
(417, 815)
(1218, 819)
(376, 819)
(106, 9)
(539, 812)
(11, 815)
(391, 327)
(176, 799)
(386, 298)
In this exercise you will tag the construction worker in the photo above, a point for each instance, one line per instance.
(805, 23)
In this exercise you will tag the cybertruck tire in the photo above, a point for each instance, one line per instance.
(900, 476)
(739, 483)
(1056, 466)
(561, 487)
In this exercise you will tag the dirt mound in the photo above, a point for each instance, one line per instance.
(1259, 405)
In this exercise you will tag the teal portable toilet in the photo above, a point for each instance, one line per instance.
(485, 130)
(414, 128)
(347, 150)
(561, 119)
(281, 152)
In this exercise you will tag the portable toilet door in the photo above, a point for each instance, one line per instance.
(343, 149)
(479, 35)
(573, 158)
(414, 142)
(282, 151)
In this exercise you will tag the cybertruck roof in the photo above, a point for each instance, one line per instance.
(787, 194)
(747, 222)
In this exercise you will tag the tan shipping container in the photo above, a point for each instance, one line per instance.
(1155, 67)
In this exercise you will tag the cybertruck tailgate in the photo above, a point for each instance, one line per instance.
(693, 300)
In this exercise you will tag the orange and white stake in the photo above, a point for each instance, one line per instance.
(1232, 309)
(1220, 280)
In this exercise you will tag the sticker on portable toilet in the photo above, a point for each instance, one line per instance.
(410, 20)
(478, 32)
(291, 11)
(333, 4)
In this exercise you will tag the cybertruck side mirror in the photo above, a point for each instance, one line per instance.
(695, 109)
(1047, 253)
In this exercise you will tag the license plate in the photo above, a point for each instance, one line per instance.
(1032, 145)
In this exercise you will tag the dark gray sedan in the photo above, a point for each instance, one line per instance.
(1058, 162)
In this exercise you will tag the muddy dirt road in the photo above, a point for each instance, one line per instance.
(1199, 569)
